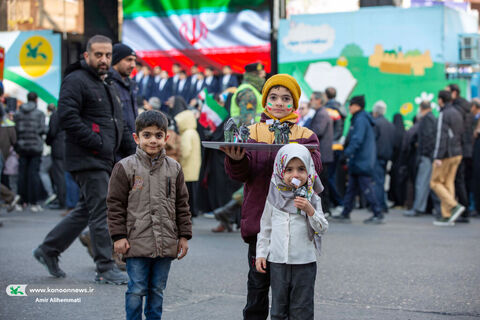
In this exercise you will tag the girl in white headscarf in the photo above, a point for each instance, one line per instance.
(290, 231)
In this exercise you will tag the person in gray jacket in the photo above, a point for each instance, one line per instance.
(322, 126)
(425, 139)
(447, 156)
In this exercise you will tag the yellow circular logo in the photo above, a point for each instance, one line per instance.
(36, 56)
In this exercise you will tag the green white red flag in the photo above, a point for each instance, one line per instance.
(206, 32)
(212, 114)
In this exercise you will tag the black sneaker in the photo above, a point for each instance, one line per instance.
(341, 218)
(456, 212)
(462, 220)
(374, 220)
(51, 263)
(112, 276)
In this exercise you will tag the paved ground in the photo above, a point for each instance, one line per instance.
(405, 269)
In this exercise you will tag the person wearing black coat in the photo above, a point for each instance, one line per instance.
(384, 138)
(91, 114)
(123, 63)
(397, 192)
(211, 81)
(146, 84)
(29, 126)
(425, 141)
(227, 80)
(164, 89)
(464, 171)
(447, 156)
(56, 140)
(183, 87)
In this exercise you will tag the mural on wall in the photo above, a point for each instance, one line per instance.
(400, 65)
(32, 63)
(395, 61)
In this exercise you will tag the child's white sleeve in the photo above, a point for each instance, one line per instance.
(318, 221)
(263, 237)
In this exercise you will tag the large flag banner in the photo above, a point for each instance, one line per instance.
(32, 63)
(204, 32)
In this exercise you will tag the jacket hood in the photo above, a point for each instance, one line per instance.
(364, 114)
(186, 120)
(28, 107)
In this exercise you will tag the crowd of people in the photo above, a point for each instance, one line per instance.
(124, 158)
(430, 167)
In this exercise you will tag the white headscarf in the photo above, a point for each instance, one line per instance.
(280, 195)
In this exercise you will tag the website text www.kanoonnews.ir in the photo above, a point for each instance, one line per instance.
(49, 294)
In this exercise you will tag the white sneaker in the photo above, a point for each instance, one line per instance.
(337, 211)
(36, 208)
(18, 207)
(13, 204)
(50, 198)
(209, 215)
(443, 222)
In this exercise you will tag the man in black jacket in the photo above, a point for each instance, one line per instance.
(123, 63)
(384, 139)
(425, 138)
(447, 156)
(464, 171)
(91, 114)
(30, 126)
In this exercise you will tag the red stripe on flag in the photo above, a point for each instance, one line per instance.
(236, 57)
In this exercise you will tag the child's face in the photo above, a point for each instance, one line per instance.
(279, 102)
(295, 169)
(152, 140)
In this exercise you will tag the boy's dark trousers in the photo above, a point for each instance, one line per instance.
(293, 290)
(91, 210)
(257, 288)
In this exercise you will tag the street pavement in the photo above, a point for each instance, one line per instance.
(404, 269)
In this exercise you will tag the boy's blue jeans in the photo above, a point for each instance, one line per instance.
(147, 277)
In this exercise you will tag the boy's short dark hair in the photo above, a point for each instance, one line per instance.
(151, 118)
(445, 95)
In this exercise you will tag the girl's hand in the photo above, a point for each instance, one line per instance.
(235, 153)
(261, 265)
(304, 205)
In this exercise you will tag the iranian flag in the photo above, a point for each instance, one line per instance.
(204, 32)
(212, 114)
